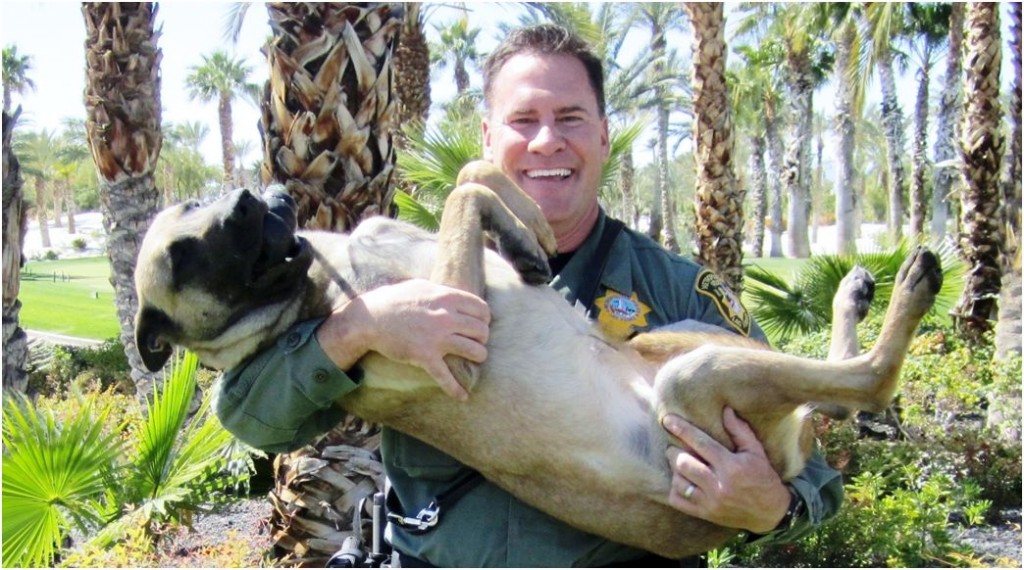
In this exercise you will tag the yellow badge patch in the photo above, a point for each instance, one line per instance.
(710, 285)
(619, 314)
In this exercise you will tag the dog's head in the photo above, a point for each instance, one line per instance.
(201, 269)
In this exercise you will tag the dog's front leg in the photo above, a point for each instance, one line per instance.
(472, 209)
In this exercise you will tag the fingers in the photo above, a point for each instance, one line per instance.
(444, 378)
(743, 437)
(692, 437)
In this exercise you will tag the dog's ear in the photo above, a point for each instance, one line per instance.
(152, 327)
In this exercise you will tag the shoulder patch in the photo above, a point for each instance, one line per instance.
(618, 314)
(711, 285)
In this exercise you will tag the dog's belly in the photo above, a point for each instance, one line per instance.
(572, 435)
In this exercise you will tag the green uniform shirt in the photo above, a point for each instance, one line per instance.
(283, 398)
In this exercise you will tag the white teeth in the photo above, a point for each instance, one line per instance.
(560, 172)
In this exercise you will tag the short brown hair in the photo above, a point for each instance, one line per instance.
(547, 39)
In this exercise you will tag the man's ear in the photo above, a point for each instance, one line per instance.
(152, 327)
(605, 138)
(485, 130)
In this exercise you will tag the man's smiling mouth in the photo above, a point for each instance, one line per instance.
(549, 173)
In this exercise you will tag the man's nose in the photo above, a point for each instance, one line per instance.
(548, 140)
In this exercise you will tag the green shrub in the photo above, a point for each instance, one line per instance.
(79, 244)
(73, 466)
(907, 498)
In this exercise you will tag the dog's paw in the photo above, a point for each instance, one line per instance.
(855, 293)
(527, 257)
(918, 282)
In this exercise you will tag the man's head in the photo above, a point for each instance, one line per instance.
(546, 39)
(545, 126)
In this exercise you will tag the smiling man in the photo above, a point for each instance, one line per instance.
(546, 128)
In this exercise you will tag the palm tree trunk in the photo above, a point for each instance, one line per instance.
(846, 233)
(796, 173)
(758, 193)
(412, 73)
(892, 121)
(1008, 327)
(918, 203)
(122, 101)
(41, 220)
(718, 199)
(667, 203)
(227, 144)
(338, 177)
(626, 178)
(775, 157)
(981, 149)
(15, 347)
(948, 130)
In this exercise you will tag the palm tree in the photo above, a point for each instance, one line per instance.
(660, 19)
(981, 149)
(457, 48)
(122, 103)
(747, 86)
(15, 347)
(887, 23)
(38, 157)
(948, 128)
(327, 120)
(928, 27)
(848, 110)
(1008, 327)
(795, 29)
(719, 199)
(412, 72)
(15, 78)
(224, 78)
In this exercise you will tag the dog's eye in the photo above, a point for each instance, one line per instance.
(186, 261)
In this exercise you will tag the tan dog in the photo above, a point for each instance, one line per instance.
(559, 416)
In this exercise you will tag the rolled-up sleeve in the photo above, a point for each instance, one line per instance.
(285, 396)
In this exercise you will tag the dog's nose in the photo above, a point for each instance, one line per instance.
(244, 206)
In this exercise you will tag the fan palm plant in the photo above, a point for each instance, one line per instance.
(787, 308)
(85, 472)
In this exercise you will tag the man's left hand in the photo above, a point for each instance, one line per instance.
(733, 489)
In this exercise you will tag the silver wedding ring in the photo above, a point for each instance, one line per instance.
(689, 491)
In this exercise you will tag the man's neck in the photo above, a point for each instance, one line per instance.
(573, 236)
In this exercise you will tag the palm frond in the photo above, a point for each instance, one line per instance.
(434, 159)
(414, 212)
(53, 474)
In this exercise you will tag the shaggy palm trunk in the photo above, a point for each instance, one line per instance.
(948, 129)
(796, 173)
(1008, 327)
(328, 115)
(122, 102)
(658, 199)
(775, 157)
(412, 73)
(227, 145)
(719, 200)
(919, 166)
(981, 149)
(15, 347)
(892, 122)
(758, 194)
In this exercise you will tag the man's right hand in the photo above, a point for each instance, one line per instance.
(415, 322)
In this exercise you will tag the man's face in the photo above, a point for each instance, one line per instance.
(545, 132)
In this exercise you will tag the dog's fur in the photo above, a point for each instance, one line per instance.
(558, 415)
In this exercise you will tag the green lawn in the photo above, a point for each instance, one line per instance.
(72, 297)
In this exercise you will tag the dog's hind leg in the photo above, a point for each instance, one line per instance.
(471, 210)
(766, 388)
(849, 306)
